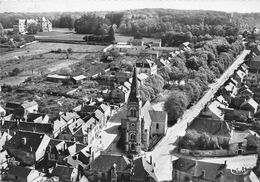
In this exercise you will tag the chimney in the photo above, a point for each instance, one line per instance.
(24, 140)
(151, 160)
(203, 174)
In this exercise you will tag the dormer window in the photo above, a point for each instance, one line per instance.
(133, 112)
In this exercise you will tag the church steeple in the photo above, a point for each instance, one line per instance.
(134, 96)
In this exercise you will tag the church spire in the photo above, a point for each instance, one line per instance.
(134, 96)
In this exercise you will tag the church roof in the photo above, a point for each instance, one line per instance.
(133, 97)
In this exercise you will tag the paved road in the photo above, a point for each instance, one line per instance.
(161, 154)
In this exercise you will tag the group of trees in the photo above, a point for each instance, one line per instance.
(14, 39)
(198, 68)
(201, 141)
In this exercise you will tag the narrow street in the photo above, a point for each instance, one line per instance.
(161, 154)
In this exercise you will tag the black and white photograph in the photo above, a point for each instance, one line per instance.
(129, 90)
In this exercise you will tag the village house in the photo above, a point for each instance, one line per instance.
(185, 47)
(232, 114)
(142, 77)
(37, 118)
(146, 66)
(5, 137)
(23, 174)
(139, 124)
(27, 147)
(238, 142)
(21, 110)
(239, 76)
(249, 105)
(111, 166)
(217, 128)
(215, 108)
(46, 128)
(65, 173)
(143, 170)
(9, 127)
(199, 171)
(57, 150)
(69, 132)
(79, 158)
(2, 111)
(79, 79)
(120, 94)
(89, 133)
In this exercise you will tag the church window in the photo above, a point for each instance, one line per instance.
(133, 112)
(132, 136)
(132, 124)
(157, 126)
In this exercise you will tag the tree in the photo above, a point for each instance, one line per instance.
(175, 105)
(1, 30)
(111, 34)
(66, 21)
(32, 28)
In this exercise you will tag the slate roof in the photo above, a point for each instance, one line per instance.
(9, 125)
(142, 168)
(33, 141)
(158, 116)
(195, 168)
(62, 171)
(251, 102)
(19, 171)
(69, 115)
(185, 165)
(104, 162)
(210, 126)
(134, 95)
(36, 127)
(146, 108)
(32, 116)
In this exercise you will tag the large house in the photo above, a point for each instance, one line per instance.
(146, 66)
(199, 171)
(141, 121)
(27, 147)
(23, 24)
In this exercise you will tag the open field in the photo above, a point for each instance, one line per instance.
(34, 58)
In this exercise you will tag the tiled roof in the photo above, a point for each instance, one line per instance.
(19, 171)
(158, 116)
(185, 165)
(238, 136)
(210, 126)
(104, 162)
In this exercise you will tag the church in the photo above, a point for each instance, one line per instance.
(141, 123)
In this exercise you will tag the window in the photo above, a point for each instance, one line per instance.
(133, 112)
(132, 136)
(157, 126)
(132, 124)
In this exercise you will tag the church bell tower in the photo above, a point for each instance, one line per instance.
(133, 119)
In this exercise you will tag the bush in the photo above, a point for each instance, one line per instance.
(15, 72)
